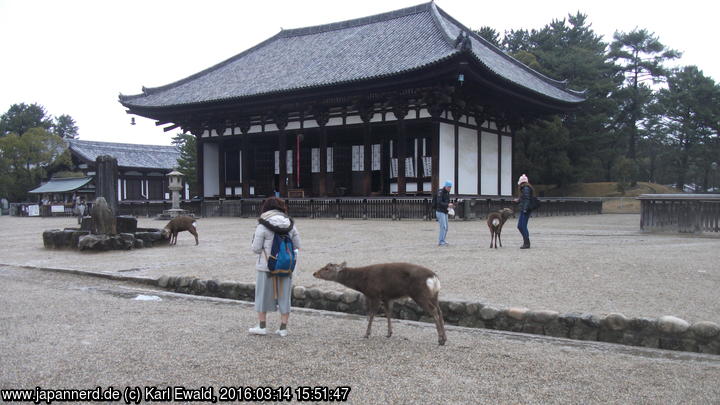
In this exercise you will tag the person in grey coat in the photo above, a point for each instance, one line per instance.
(272, 293)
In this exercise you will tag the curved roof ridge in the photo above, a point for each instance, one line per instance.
(356, 22)
(560, 84)
(151, 90)
(287, 34)
(81, 142)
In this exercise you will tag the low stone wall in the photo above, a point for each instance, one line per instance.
(667, 332)
(74, 238)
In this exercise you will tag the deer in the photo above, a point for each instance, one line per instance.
(177, 225)
(495, 222)
(383, 283)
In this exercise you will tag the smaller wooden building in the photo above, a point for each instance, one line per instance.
(142, 169)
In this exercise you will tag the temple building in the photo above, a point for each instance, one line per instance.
(391, 104)
(142, 169)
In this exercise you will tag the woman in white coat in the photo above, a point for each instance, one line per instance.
(272, 293)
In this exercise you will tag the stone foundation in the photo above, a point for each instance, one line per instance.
(74, 238)
(666, 332)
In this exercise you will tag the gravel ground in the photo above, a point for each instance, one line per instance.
(62, 331)
(598, 264)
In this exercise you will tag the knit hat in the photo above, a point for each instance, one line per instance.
(448, 183)
(522, 179)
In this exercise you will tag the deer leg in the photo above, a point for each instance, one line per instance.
(492, 236)
(388, 314)
(194, 232)
(372, 307)
(498, 238)
(431, 306)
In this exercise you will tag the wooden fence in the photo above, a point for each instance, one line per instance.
(152, 209)
(396, 208)
(684, 213)
(360, 208)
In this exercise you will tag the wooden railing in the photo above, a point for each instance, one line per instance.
(684, 213)
(396, 208)
(152, 208)
(361, 208)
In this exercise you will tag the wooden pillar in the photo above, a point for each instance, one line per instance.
(400, 110)
(245, 158)
(499, 148)
(384, 166)
(221, 168)
(479, 155)
(282, 152)
(456, 180)
(435, 153)
(200, 166)
(366, 114)
(420, 169)
(322, 116)
(323, 162)
(456, 114)
(402, 154)
(280, 119)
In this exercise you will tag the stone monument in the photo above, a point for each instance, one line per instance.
(106, 178)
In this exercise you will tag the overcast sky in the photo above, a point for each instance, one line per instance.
(75, 57)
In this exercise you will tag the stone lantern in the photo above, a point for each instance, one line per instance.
(175, 185)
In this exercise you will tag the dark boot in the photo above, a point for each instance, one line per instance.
(526, 243)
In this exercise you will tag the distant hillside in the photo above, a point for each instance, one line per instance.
(603, 189)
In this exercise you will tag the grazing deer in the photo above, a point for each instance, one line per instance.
(495, 222)
(179, 224)
(389, 281)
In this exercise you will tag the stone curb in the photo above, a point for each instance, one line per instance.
(665, 332)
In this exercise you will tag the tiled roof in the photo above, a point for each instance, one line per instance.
(62, 185)
(372, 47)
(128, 155)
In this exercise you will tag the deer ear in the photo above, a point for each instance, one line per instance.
(342, 265)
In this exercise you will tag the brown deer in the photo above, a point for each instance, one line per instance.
(495, 222)
(179, 224)
(387, 282)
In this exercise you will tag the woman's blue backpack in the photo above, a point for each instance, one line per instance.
(281, 261)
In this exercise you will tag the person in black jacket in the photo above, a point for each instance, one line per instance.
(525, 192)
(441, 211)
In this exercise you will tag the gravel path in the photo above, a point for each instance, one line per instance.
(598, 264)
(65, 331)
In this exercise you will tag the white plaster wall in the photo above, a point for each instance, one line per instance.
(293, 125)
(489, 164)
(353, 119)
(211, 175)
(506, 166)
(468, 161)
(310, 124)
(447, 154)
(335, 121)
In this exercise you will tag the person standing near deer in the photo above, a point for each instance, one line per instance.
(442, 205)
(525, 194)
(272, 292)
